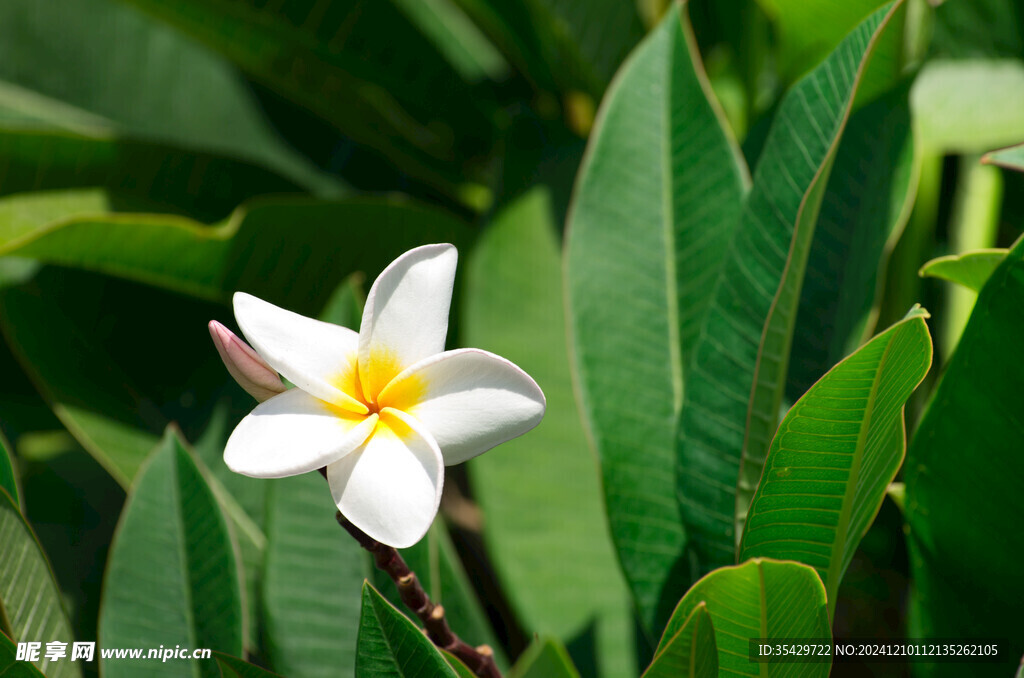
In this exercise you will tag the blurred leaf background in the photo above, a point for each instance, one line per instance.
(156, 157)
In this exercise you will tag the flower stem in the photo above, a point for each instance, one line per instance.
(480, 660)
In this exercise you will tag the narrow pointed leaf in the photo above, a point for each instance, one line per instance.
(11, 666)
(962, 478)
(736, 377)
(31, 608)
(654, 207)
(8, 477)
(545, 658)
(538, 522)
(172, 562)
(835, 454)
(970, 269)
(391, 645)
(276, 249)
(118, 175)
(1010, 158)
(867, 203)
(759, 599)
(691, 652)
(311, 581)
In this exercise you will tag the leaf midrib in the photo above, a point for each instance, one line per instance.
(846, 511)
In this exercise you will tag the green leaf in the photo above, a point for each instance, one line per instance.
(457, 37)
(31, 609)
(117, 175)
(835, 453)
(291, 252)
(311, 581)
(536, 523)
(866, 206)
(808, 30)
(181, 93)
(363, 67)
(690, 652)
(8, 476)
(653, 211)
(946, 97)
(962, 481)
(10, 666)
(172, 562)
(391, 645)
(736, 378)
(1010, 158)
(759, 599)
(544, 658)
(233, 667)
(970, 269)
(460, 669)
(439, 570)
(564, 45)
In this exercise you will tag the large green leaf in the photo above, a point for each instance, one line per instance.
(311, 581)
(31, 609)
(391, 645)
(835, 453)
(653, 210)
(947, 110)
(292, 252)
(541, 494)
(545, 658)
(11, 666)
(1010, 158)
(127, 175)
(962, 473)
(970, 269)
(759, 599)
(866, 205)
(180, 93)
(172, 575)
(691, 652)
(736, 378)
(362, 66)
(8, 477)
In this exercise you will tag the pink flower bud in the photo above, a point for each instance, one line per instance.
(245, 365)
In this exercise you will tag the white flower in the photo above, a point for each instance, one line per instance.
(385, 409)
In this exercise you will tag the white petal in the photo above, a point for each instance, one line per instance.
(294, 433)
(469, 400)
(390, 487)
(406, 314)
(317, 357)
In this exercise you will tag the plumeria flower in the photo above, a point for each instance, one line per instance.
(384, 410)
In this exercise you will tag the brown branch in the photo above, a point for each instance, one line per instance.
(480, 660)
